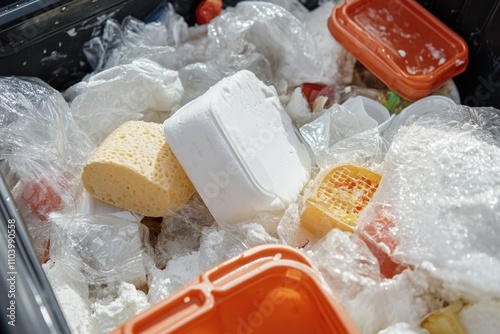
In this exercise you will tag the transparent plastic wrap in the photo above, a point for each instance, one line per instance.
(266, 29)
(180, 270)
(140, 90)
(41, 153)
(217, 245)
(277, 44)
(295, 7)
(340, 135)
(337, 65)
(158, 285)
(134, 39)
(346, 263)
(335, 124)
(407, 298)
(481, 317)
(439, 199)
(198, 78)
(181, 231)
(366, 149)
(104, 248)
(290, 231)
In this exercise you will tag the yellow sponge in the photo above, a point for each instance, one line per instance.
(336, 198)
(135, 169)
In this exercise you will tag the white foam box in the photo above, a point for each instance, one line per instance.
(239, 148)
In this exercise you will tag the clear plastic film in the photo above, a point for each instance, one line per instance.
(340, 135)
(290, 230)
(198, 78)
(406, 299)
(280, 42)
(336, 63)
(134, 39)
(269, 30)
(206, 58)
(139, 90)
(437, 204)
(295, 7)
(346, 263)
(219, 243)
(366, 149)
(181, 231)
(105, 248)
(41, 153)
(335, 124)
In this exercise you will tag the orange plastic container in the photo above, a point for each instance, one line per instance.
(401, 43)
(268, 289)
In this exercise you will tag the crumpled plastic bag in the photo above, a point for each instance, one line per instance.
(275, 43)
(198, 78)
(295, 7)
(366, 149)
(336, 63)
(218, 243)
(105, 248)
(181, 231)
(340, 135)
(139, 90)
(269, 30)
(41, 153)
(347, 264)
(407, 298)
(290, 230)
(440, 191)
(134, 39)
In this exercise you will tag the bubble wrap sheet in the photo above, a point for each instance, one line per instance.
(441, 188)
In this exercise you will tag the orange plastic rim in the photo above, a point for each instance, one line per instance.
(267, 289)
(401, 43)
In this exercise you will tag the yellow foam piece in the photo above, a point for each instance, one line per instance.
(445, 320)
(336, 198)
(135, 169)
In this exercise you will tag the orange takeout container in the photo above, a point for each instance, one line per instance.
(401, 43)
(267, 289)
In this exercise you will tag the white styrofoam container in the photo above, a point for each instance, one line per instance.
(239, 148)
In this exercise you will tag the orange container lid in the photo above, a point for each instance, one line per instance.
(267, 289)
(401, 43)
